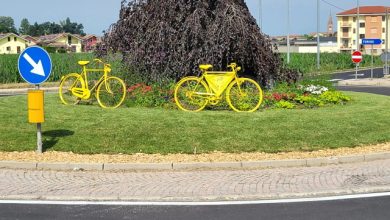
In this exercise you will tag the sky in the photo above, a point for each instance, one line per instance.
(98, 15)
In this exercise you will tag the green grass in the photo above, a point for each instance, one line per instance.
(90, 129)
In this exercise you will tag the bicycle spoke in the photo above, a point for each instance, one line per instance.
(189, 94)
(244, 95)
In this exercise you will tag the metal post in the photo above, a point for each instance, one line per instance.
(357, 69)
(387, 42)
(372, 61)
(39, 133)
(288, 31)
(358, 26)
(318, 35)
(261, 15)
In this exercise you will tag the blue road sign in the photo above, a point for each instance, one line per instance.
(371, 41)
(34, 65)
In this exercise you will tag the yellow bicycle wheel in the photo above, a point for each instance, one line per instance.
(111, 93)
(244, 95)
(69, 82)
(191, 94)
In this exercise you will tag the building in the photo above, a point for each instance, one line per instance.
(327, 45)
(11, 43)
(330, 26)
(372, 21)
(65, 41)
(31, 40)
(89, 42)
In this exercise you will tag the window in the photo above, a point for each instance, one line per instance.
(362, 36)
(383, 18)
(362, 25)
(354, 19)
(354, 31)
(69, 40)
(345, 19)
(9, 38)
(14, 38)
(383, 41)
(8, 48)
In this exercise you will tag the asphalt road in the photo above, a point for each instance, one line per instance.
(353, 209)
(377, 73)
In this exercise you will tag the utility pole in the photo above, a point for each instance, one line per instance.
(288, 31)
(318, 35)
(387, 42)
(357, 26)
(261, 15)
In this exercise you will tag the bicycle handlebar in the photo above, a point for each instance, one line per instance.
(234, 66)
(98, 60)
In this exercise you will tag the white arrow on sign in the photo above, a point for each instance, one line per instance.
(37, 67)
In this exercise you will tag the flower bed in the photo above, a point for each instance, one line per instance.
(282, 96)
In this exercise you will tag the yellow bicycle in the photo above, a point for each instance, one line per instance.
(110, 90)
(195, 93)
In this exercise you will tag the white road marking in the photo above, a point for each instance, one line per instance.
(220, 203)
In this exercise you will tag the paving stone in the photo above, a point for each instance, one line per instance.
(137, 166)
(197, 185)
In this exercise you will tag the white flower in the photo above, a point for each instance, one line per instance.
(316, 90)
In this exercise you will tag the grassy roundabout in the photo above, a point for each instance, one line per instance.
(89, 129)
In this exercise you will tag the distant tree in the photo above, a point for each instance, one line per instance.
(7, 25)
(24, 27)
(36, 30)
(72, 27)
(51, 28)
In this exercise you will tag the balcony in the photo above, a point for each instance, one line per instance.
(346, 25)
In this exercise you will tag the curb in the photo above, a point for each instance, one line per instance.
(364, 82)
(310, 162)
(25, 90)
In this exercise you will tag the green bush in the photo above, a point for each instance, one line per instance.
(334, 97)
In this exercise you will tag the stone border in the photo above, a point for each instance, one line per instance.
(309, 162)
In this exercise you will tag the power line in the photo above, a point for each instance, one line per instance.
(331, 4)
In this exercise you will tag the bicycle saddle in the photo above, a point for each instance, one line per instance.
(205, 67)
(83, 63)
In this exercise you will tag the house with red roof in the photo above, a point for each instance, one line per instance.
(89, 42)
(370, 24)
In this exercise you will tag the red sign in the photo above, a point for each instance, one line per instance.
(357, 57)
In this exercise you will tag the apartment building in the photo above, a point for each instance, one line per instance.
(372, 24)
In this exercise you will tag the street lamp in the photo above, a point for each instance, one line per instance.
(318, 35)
(357, 25)
(387, 42)
(288, 31)
(261, 14)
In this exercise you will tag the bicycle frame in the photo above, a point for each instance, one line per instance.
(217, 81)
(85, 92)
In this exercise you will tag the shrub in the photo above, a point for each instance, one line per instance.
(334, 97)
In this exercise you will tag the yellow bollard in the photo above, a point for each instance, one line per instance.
(35, 106)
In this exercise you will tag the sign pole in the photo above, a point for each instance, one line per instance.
(357, 69)
(35, 65)
(39, 132)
